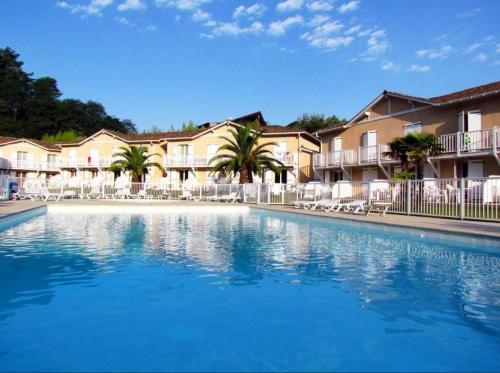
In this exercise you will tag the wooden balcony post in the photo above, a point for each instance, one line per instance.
(459, 143)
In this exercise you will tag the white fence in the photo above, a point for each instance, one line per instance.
(477, 198)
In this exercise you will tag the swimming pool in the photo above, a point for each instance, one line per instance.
(244, 290)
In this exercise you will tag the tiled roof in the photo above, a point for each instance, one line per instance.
(467, 93)
(45, 144)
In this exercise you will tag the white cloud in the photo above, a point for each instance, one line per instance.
(498, 48)
(131, 5)
(377, 44)
(468, 13)
(317, 20)
(255, 10)
(321, 36)
(443, 52)
(320, 6)
(349, 6)
(124, 21)
(389, 66)
(286, 50)
(233, 29)
(182, 4)
(93, 8)
(365, 32)
(473, 47)
(480, 57)
(279, 28)
(353, 30)
(288, 5)
(419, 69)
(331, 43)
(201, 16)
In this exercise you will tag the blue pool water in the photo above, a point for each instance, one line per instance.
(248, 291)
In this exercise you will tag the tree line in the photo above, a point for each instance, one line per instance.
(33, 108)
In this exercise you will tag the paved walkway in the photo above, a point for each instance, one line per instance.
(479, 228)
(8, 208)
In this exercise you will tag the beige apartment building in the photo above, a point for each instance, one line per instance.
(27, 158)
(185, 156)
(467, 123)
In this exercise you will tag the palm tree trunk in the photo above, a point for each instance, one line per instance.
(245, 176)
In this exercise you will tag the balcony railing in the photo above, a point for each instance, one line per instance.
(458, 144)
(473, 141)
(204, 161)
(185, 161)
(22, 164)
(88, 162)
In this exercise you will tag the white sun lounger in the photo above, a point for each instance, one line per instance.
(45, 195)
(347, 206)
(186, 196)
(231, 197)
(380, 207)
(322, 204)
(302, 204)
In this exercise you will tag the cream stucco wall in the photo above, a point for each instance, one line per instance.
(437, 120)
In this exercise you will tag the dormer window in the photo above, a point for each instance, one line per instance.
(412, 127)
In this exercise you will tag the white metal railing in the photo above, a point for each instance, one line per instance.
(185, 160)
(287, 158)
(459, 143)
(471, 198)
(89, 162)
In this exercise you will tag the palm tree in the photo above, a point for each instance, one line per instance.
(243, 154)
(136, 160)
(415, 148)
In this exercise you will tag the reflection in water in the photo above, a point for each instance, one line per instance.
(396, 277)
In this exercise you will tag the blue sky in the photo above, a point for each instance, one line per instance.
(163, 62)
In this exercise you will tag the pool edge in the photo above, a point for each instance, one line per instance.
(401, 225)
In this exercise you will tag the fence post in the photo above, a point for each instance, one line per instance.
(258, 193)
(103, 189)
(268, 194)
(369, 193)
(459, 145)
(462, 199)
(244, 193)
(494, 140)
(408, 197)
(201, 192)
(81, 189)
(297, 193)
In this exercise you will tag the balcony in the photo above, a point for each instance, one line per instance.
(26, 165)
(460, 144)
(189, 161)
(88, 162)
(465, 143)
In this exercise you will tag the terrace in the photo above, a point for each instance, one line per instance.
(460, 144)
(187, 161)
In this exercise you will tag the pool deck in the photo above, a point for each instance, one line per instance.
(477, 228)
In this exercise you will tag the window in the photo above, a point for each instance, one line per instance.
(183, 175)
(469, 121)
(281, 177)
(51, 159)
(22, 156)
(211, 150)
(412, 127)
(337, 176)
